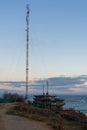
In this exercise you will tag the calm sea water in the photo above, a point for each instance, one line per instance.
(78, 102)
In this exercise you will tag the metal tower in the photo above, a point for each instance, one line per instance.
(27, 47)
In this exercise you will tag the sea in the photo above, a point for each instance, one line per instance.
(77, 102)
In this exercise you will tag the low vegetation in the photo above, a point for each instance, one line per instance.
(16, 97)
(74, 120)
(74, 116)
(34, 113)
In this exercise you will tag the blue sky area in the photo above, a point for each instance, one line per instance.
(58, 39)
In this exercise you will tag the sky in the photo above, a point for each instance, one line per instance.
(57, 39)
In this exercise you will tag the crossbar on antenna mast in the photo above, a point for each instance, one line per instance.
(27, 51)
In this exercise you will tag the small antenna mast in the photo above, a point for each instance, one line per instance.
(47, 87)
(43, 89)
(27, 47)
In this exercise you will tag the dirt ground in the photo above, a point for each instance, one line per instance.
(10, 122)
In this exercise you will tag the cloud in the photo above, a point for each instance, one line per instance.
(63, 81)
(67, 85)
(79, 90)
(66, 81)
(57, 85)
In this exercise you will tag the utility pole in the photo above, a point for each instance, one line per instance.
(27, 47)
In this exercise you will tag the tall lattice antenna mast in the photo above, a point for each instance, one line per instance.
(27, 47)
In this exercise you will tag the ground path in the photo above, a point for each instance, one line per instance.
(11, 122)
